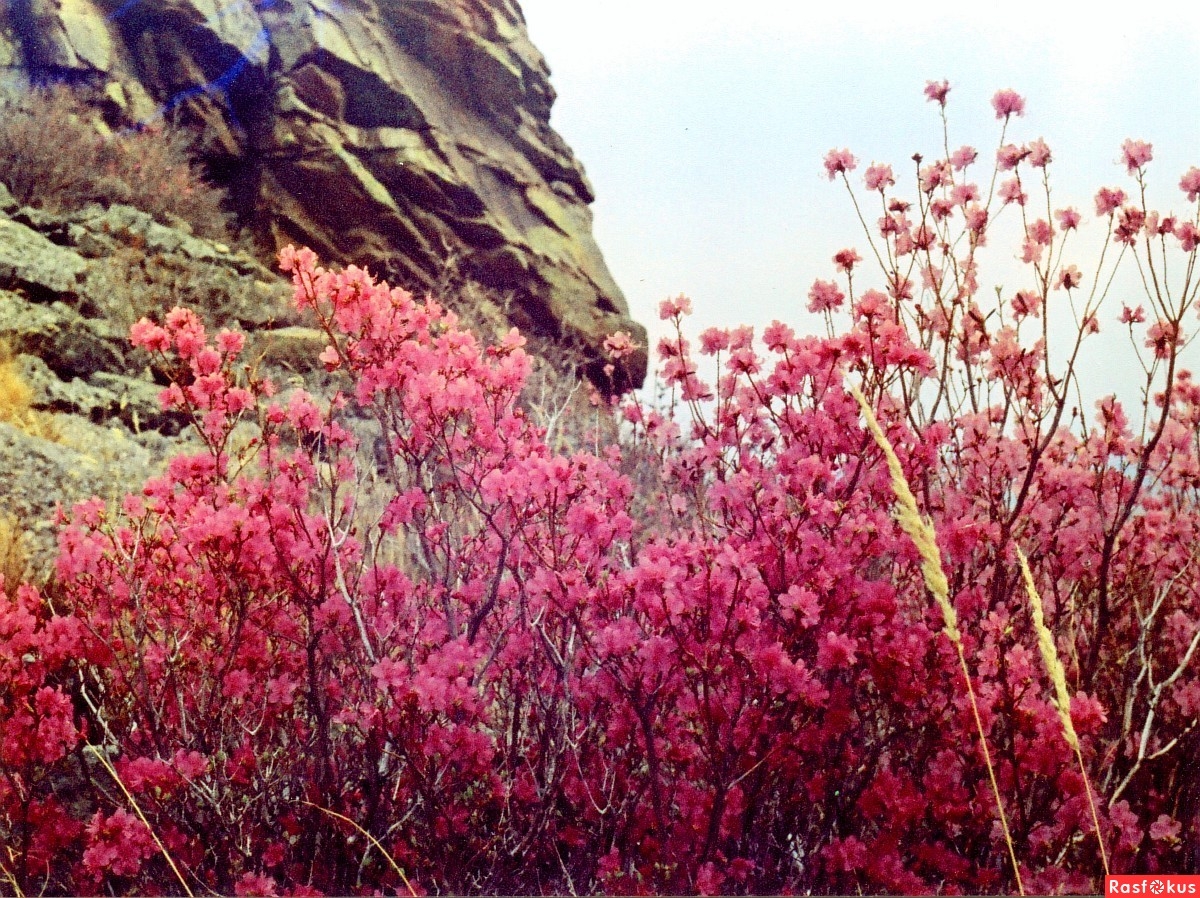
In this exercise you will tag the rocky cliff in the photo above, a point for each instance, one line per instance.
(405, 135)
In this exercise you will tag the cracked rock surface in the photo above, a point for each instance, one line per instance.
(398, 134)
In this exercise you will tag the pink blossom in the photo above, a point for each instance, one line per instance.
(962, 157)
(941, 209)
(1040, 232)
(1006, 103)
(1165, 829)
(1069, 278)
(674, 308)
(963, 194)
(778, 336)
(1025, 303)
(1188, 236)
(1031, 252)
(1135, 154)
(1129, 224)
(977, 217)
(1039, 153)
(846, 259)
(1132, 316)
(1163, 337)
(1010, 156)
(148, 335)
(877, 177)
(825, 296)
(1108, 200)
(230, 342)
(620, 344)
(933, 176)
(936, 91)
(1011, 192)
(1068, 219)
(329, 358)
(714, 340)
(1190, 183)
(839, 162)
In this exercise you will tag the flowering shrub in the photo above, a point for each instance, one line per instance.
(258, 677)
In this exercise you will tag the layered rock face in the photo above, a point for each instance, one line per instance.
(398, 134)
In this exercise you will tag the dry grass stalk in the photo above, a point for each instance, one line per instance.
(14, 553)
(1062, 698)
(157, 841)
(373, 841)
(924, 537)
(7, 875)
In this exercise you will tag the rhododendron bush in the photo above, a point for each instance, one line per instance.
(390, 641)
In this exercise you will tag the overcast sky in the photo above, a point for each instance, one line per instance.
(702, 124)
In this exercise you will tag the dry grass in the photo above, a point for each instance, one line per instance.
(1062, 698)
(137, 809)
(920, 531)
(16, 401)
(14, 553)
(58, 154)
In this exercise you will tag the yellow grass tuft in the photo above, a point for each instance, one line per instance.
(920, 531)
(1062, 698)
(16, 401)
(14, 553)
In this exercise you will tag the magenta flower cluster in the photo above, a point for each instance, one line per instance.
(391, 642)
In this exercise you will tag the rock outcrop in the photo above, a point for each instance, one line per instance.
(79, 407)
(404, 135)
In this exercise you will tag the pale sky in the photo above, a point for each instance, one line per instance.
(702, 124)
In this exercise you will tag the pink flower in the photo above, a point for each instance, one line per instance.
(977, 218)
(620, 344)
(674, 308)
(962, 157)
(1068, 219)
(1039, 154)
(230, 342)
(329, 358)
(846, 259)
(148, 335)
(1187, 235)
(1006, 103)
(1136, 153)
(935, 91)
(941, 209)
(1031, 252)
(1132, 316)
(1040, 232)
(877, 177)
(1010, 155)
(839, 162)
(1165, 829)
(1069, 278)
(1163, 336)
(1025, 303)
(1109, 200)
(824, 296)
(1190, 183)
(963, 194)
(1010, 192)
(933, 176)
(1159, 227)
(1129, 224)
(714, 340)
